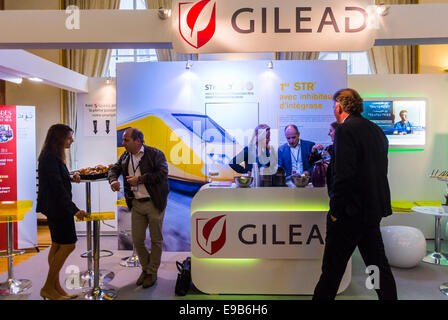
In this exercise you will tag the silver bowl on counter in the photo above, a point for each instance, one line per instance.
(300, 181)
(243, 182)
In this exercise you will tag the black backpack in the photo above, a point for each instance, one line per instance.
(183, 277)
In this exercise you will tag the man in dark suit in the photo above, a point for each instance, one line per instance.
(294, 155)
(359, 200)
(145, 173)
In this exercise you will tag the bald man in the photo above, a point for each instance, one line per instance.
(294, 155)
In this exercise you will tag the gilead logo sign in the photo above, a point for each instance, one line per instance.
(191, 28)
(204, 235)
(273, 25)
(250, 234)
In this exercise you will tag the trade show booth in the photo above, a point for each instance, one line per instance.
(244, 235)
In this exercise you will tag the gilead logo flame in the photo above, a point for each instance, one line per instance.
(191, 22)
(209, 237)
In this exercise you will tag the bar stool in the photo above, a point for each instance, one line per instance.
(85, 279)
(132, 261)
(10, 212)
(97, 292)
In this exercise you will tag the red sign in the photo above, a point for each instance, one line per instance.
(204, 228)
(8, 164)
(189, 26)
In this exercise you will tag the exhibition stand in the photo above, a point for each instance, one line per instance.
(268, 240)
(264, 241)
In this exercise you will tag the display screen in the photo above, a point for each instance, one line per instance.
(402, 120)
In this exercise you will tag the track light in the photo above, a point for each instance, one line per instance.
(35, 79)
(382, 9)
(188, 65)
(10, 77)
(270, 65)
(164, 13)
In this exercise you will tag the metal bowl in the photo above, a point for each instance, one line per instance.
(243, 182)
(300, 181)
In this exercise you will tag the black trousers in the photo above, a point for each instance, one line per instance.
(343, 236)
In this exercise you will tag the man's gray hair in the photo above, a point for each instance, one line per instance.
(350, 101)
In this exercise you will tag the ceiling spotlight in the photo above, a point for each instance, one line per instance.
(188, 65)
(164, 13)
(382, 9)
(11, 77)
(35, 79)
(270, 65)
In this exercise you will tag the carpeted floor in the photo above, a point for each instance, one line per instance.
(421, 282)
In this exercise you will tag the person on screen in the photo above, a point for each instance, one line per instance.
(54, 200)
(403, 126)
(258, 151)
(294, 155)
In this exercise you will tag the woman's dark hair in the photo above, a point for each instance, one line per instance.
(55, 140)
(334, 125)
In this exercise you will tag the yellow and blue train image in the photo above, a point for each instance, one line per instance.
(195, 146)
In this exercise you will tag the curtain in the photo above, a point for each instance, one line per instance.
(393, 59)
(168, 54)
(312, 55)
(90, 62)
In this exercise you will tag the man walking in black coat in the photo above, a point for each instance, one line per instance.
(359, 200)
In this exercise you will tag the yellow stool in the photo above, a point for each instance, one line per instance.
(10, 212)
(132, 261)
(98, 293)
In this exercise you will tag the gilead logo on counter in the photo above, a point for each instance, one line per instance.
(211, 233)
(284, 235)
(190, 27)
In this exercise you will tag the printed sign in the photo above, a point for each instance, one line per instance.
(253, 25)
(99, 119)
(18, 169)
(8, 153)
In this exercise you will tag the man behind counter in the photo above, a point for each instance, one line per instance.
(294, 155)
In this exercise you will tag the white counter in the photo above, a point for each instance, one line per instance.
(259, 240)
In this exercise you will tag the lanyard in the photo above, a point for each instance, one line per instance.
(296, 159)
(132, 161)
